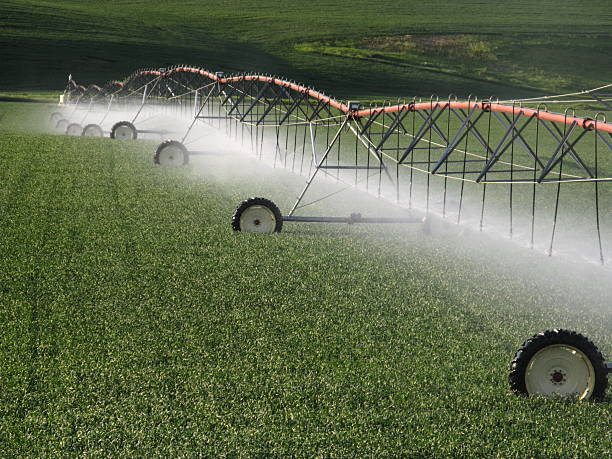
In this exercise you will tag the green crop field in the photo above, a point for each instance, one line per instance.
(135, 323)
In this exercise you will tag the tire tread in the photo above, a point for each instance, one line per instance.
(164, 144)
(124, 123)
(257, 201)
(531, 346)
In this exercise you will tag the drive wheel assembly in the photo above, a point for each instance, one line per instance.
(61, 125)
(171, 153)
(257, 215)
(92, 130)
(124, 130)
(559, 363)
(74, 129)
(55, 117)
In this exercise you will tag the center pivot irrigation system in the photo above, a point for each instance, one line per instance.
(449, 157)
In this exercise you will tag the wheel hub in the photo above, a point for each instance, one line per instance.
(124, 132)
(171, 155)
(561, 370)
(258, 219)
(558, 377)
(92, 131)
(74, 130)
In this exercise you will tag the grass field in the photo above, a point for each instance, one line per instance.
(135, 322)
(349, 49)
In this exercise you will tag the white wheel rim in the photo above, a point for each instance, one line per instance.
(257, 219)
(171, 156)
(62, 124)
(561, 370)
(74, 130)
(91, 131)
(124, 132)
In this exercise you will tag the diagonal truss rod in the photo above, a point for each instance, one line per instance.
(499, 150)
(319, 164)
(371, 149)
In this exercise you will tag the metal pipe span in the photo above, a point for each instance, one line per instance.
(586, 123)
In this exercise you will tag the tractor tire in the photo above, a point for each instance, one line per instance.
(124, 130)
(92, 130)
(171, 153)
(559, 362)
(74, 129)
(257, 215)
(55, 117)
(61, 125)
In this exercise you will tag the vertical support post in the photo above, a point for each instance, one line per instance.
(303, 148)
(76, 104)
(431, 108)
(88, 111)
(511, 196)
(411, 157)
(142, 104)
(397, 179)
(552, 236)
(535, 175)
(448, 122)
(278, 133)
(262, 143)
(195, 118)
(597, 225)
(312, 141)
(110, 103)
(465, 150)
(484, 186)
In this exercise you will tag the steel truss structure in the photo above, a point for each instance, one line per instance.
(382, 148)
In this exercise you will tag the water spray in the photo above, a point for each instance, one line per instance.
(484, 161)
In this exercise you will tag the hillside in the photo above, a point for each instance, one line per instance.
(356, 49)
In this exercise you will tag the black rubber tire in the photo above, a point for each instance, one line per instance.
(55, 117)
(126, 124)
(175, 143)
(257, 202)
(529, 348)
(75, 126)
(62, 124)
(93, 127)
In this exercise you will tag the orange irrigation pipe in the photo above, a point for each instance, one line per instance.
(586, 123)
(296, 87)
(287, 84)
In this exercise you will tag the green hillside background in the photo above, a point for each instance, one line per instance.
(349, 49)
